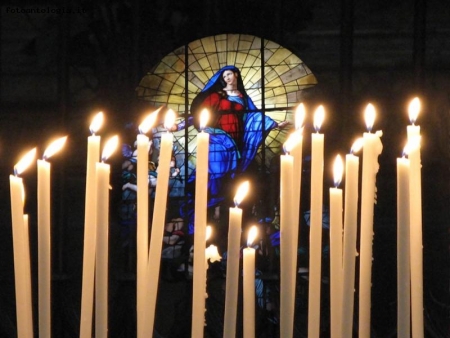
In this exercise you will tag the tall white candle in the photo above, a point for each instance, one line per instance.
(143, 145)
(336, 249)
(90, 230)
(249, 285)
(27, 261)
(201, 194)
(157, 232)
(416, 247)
(44, 238)
(403, 237)
(102, 172)
(232, 279)
(24, 312)
(288, 248)
(315, 242)
(350, 234)
(371, 149)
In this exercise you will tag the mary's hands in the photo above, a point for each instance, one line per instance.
(284, 124)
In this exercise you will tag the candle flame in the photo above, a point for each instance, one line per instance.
(338, 170)
(241, 193)
(54, 147)
(412, 145)
(319, 116)
(414, 109)
(25, 162)
(148, 122)
(252, 233)
(169, 120)
(292, 141)
(204, 117)
(208, 232)
(357, 145)
(110, 147)
(369, 115)
(96, 123)
(299, 116)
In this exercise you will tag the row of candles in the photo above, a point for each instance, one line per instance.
(343, 233)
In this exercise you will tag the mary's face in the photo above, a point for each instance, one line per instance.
(230, 78)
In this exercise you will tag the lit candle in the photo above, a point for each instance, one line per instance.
(416, 247)
(249, 284)
(315, 240)
(24, 312)
(232, 280)
(201, 194)
(371, 149)
(158, 221)
(288, 248)
(350, 234)
(90, 230)
(211, 252)
(403, 238)
(44, 237)
(143, 145)
(336, 249)
(102, 172)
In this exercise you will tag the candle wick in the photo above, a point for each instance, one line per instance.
(15, 172)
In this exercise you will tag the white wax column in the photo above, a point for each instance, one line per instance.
(24, 313)
(249, 292)
(416, 233)
(27, 260)
(157, 232)
(90, 232)
(288, 251)
(199, 274)
(349, 251)
(101, 270)
(315, 242)
(44, 248)
(335, 260)
(232, 279)
(403, 237)
(142, 223)
(369, 171)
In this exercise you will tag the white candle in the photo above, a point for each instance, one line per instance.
(27, 258)
(90, 230)
(24, 312)
(416, 222)
(102, 172)
(157, 232)
(403, 237)
(143, 145)
(44, 238)
(336, 249)
(350, 234)
(201, 201)
(288, 249)
(315, 242)
(249, 285)
(232, 279)
(371, 149)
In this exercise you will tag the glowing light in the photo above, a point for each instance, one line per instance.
(414, 109)
(357, 145)
(169, 120)
(252, 233)
(338, 170)
(148, 122)
(319, 116)
(204, 117)
(369, 116)
(25, 162)
(54, 147)
(299, 116)
(96, 123)
(208, 232)
(110, 147)
(241, 193)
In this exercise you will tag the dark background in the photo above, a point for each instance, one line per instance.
(57, 70)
